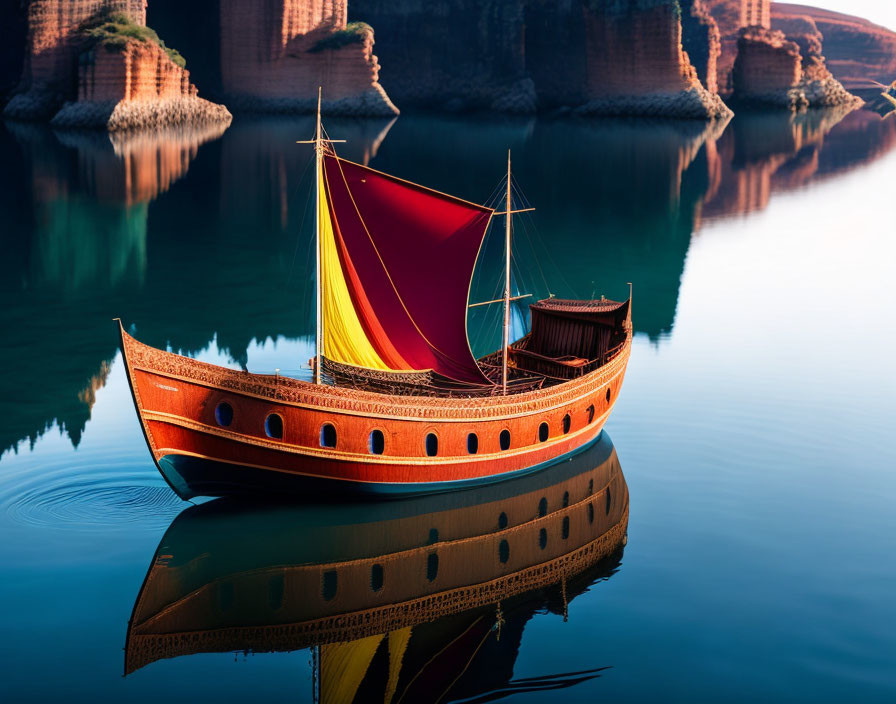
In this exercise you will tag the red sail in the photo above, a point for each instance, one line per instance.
(408, 255)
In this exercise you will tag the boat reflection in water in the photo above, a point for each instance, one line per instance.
(400, 600)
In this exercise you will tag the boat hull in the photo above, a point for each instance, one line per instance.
(424, 444)
(192, 476)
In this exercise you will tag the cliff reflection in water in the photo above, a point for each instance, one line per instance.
(201, 238)
(400, 599)
(84, 211)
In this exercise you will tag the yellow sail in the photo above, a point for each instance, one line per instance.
(398, 644)
(343, 666)
(344, 337)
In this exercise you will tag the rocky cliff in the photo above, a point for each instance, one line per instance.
(858, 53)
(135, 86)
(766, 61)
(94, 63)
(50, 61)
(635, 64)
(789, 70)
(701, 39)
(595, 56)
(855, 52)
(274, 55)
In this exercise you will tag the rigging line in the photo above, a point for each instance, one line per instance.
(386, 270)
(518, 191)
(495, 195)
(535, 257)
(544, 254)
(523, 222)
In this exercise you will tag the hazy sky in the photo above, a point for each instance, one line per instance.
(878, 11)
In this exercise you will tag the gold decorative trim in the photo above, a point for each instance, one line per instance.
(302, 394)
(356, 457)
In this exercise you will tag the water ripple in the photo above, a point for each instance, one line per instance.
(90, 501)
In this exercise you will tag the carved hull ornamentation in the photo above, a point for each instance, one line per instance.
(214, 431)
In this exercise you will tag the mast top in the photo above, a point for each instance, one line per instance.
(319, 139)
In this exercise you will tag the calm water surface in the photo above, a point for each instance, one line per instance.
(754, 431)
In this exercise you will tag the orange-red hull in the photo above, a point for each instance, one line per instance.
(179, 399)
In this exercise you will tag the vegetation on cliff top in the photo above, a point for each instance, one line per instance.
(114, 29)
(353, 33)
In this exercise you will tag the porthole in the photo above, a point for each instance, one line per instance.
(376, 577)
(273, 426)
(502, 521)
(590, 486)
(567, 423)
(433, 536)
(275, 592)
(609, 501)
(565, 530)
(608, 394)
(543, 507)
(504, 551)
(376, 443)
(591, 513)
(543, 432)
(224, 414)
(472, 443)
(590, 413)
(432, 444)
(432, 566)
(328, 435)
(504, 439)
(565, 499)
(542, 538)
(329, 583)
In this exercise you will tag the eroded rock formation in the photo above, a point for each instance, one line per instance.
(97, 61)
(701, 40)
(858, 53)
(135, 87)
(853, 51)
(772, 64)
(636, 65)
(595, 56)
(274, 55)
(52, 52)
(789, 71)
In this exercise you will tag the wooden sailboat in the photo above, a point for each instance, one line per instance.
(398, 403)
(429, 580)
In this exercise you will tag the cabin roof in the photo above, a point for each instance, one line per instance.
(564, 305)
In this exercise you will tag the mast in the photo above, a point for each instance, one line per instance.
(318, 163)
(507, 298)
(506, 339)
